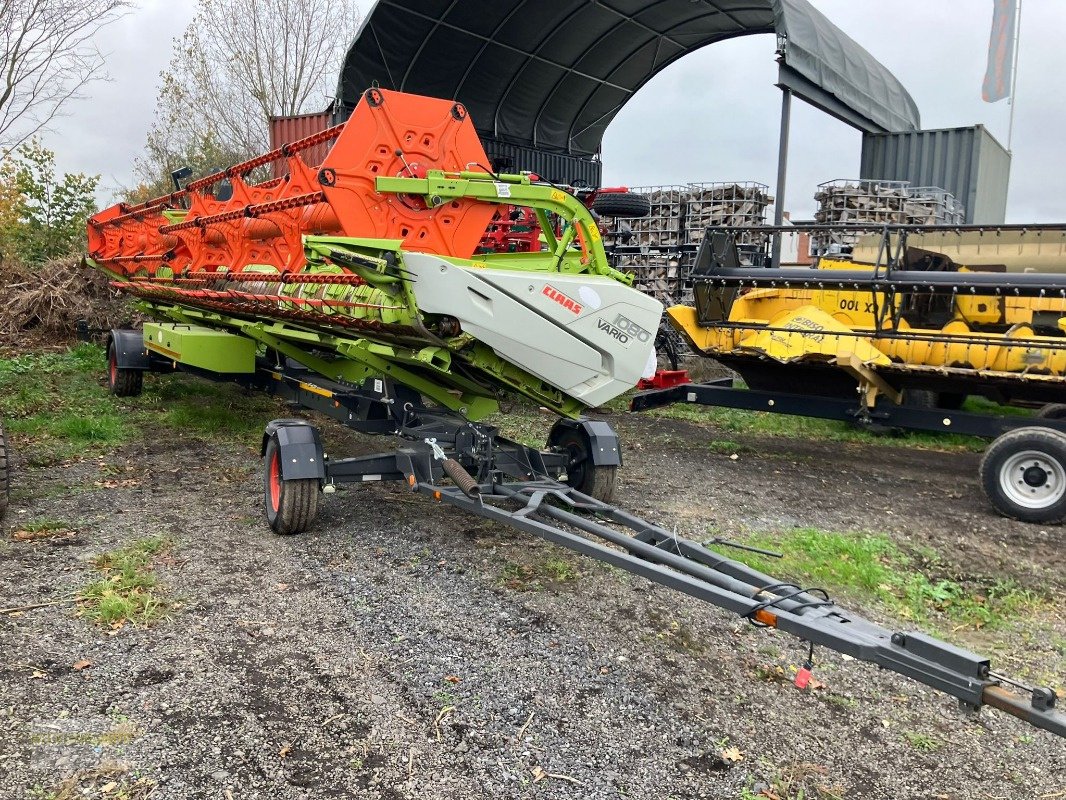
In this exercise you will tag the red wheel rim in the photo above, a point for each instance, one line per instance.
(114, 369)
(274, 481)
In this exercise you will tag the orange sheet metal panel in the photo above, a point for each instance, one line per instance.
(288, 129)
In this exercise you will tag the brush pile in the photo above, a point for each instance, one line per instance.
(51, 298)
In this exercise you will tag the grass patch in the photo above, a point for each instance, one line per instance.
(922, 741)
(523, 423)
(445, 699)
(767, 424)
(728, 447)
(41, 529)
(871, 566)
(535, 575)
(128, 590)
(45, 525)
(793, 781)
(218, 410)
(57, 408)
(54, 405)
(675, 633)
(558, 569)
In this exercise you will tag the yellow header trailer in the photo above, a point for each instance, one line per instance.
(898, 332)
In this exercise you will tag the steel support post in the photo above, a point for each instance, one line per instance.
(782, 170)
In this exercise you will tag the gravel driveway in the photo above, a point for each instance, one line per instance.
(403, 650)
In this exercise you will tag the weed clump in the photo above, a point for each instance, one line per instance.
(128, 590)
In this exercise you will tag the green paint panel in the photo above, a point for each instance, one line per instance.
(197, 346)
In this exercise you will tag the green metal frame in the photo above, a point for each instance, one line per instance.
(517, 190)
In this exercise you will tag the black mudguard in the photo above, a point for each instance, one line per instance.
(604, 448)
(300, 446)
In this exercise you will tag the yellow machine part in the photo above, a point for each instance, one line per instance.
(819, 317)
(809, 332)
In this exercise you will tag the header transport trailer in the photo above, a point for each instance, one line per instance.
(354, 287)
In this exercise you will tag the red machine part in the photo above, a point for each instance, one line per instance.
(389, 134)
(515, 229)
(665, 379)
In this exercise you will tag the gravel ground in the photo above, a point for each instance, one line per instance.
(397, 651)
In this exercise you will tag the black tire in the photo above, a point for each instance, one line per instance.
(5, 474)
(951, 401)
(621, 204)
(581, 473)
(666, 346)
(291, 505)
(919, 398)
(121, 381)
(1023, 473)
(1052, 411)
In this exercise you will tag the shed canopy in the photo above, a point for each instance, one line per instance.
(552, 75)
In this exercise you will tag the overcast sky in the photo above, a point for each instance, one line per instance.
(714, 115)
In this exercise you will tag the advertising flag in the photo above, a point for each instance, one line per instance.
(997, 83)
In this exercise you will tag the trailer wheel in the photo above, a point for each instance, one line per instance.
(122, 382)
(951, 401)
(666, 345)
(581, 473)
(1023, 472)
(290, 505)
(919, 398)
(621, 204)
(1052, 411)
(5, 474)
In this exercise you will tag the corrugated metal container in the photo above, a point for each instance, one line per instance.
(288, 129)
(968, 162)
(559, 168)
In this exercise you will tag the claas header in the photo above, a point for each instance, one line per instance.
(374, 250)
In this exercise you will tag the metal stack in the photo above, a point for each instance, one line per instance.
(878, 202)
(844, 201)
(931, 205)
(731, 205)
(661, 247)
(663, 227)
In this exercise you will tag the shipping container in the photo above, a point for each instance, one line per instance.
(968, 162)
(289, 129)
(562, 168)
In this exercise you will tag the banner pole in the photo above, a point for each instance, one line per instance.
(1014, 75)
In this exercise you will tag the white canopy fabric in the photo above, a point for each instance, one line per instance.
(552, 75)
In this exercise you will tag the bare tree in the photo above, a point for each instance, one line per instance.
(241, 62)
(47, 57)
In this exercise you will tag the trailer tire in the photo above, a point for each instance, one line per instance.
(668, 345)
(588, 478)
(920, 398)
(621, 204)
(5, 473)
(951, 401)
(1023, 473)
(290, 505)
(1052, 411)
(121, 381)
